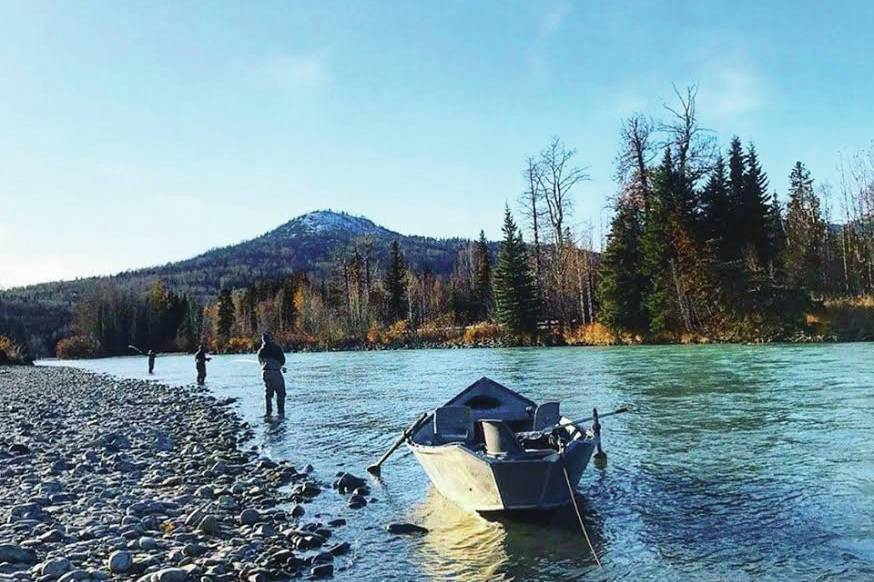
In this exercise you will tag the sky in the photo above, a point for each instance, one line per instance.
(138, 133)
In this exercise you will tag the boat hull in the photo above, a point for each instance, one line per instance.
(481, 483)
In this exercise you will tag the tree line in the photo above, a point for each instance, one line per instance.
(700, 247)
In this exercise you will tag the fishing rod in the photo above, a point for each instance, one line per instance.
(241, 360)
(135, 348)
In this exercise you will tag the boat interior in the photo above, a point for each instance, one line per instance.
(491, 419)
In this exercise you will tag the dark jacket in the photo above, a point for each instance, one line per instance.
(270, 356)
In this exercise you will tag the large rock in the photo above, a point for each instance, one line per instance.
(209, 525)
(56, 567)
(120, 562)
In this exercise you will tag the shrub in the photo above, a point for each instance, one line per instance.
(593, 334)
(239, 345)
(484, 332)
(12, 353)
(76, 347)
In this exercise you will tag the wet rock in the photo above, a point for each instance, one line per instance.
(357, 502)
(406, 529)
(322, 571)
(337, 522)
(347, 483)
(340, 549)
(297, 510)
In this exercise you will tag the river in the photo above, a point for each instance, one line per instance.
(736, 462)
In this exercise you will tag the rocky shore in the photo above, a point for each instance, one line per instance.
(129, 480)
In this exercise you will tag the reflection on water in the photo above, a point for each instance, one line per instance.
(463, 545)
(737, 462)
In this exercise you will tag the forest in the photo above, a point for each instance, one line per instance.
(700, 249)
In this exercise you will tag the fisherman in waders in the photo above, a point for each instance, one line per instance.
(272, 362)
(152, 355)
(200, 361)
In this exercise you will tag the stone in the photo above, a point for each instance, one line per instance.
(205, 491)
(348, 482)
(337, 522)
(148, 543)
(357, 502)
(170, 575)
(56, 567)
(406, 529)
(209, 525)
(340, 549)
(194, 550)
(119, 562)
(249, 516)
(297, 510)
(19, 449)
(322, 571)
(16, 554)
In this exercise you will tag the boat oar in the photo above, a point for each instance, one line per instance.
(582, 420)
(375, 468)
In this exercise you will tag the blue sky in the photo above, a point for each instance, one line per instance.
(134, 134)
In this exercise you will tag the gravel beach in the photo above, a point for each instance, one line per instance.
(107, 478)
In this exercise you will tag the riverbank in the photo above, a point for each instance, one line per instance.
(132, 480)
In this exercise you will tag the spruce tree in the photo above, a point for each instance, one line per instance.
(756, 207)
(395, 284)
(225, 317)
(716, 212)
(482, 283)
(515, 292)
(733, 244)
(805, 231)
(622, 286)
(658, 251)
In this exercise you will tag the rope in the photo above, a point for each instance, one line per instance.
(577, 511)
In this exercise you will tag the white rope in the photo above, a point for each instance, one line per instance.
(577, 510)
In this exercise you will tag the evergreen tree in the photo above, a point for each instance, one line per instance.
(482, 283)
(225, 317)
(622, 286)
(755, 208)
(515, 292)
(716, 212)
(395, 284)
(733, 244)
(658, 251)
(805, 232)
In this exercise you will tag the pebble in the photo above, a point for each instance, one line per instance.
(132, 480)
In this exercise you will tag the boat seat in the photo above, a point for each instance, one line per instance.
(546, 415)
(453, 424)
(500, 440)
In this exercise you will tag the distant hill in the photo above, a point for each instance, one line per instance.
(306, 244)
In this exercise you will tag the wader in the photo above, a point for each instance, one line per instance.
(201, 372)
(274, 383)
(151, 364)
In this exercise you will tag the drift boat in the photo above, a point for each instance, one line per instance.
(491, 449)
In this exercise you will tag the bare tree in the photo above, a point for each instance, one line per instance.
(636, 153)
(694, 146)
(532, 204)
(556, 179)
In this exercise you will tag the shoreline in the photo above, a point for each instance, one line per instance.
(136, 480)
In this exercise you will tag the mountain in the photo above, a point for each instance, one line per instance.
(308, 244)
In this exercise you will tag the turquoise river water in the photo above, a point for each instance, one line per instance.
(736, 463)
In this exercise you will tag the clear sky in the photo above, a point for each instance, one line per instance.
(136, 133)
